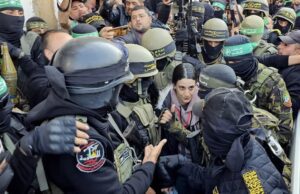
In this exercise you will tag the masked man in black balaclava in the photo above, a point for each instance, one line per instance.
(86, 77)
(11, 21)
(238, 161)
(265, 86)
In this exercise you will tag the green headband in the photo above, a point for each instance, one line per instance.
(218, 4)
(10, 4)
(298, 13)
(32, 25)
(248, 31)
(75, 35)
(237, 50)
(3, 86)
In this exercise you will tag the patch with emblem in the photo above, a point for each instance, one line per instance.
(91, 158)
(252, 182)
(287, 100)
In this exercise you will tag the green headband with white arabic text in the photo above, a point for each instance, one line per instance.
(77, 35)
(249, 31)
(237, 50)
(10, 4)
(220, 5)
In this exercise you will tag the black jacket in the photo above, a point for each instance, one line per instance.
(37, 83)
(118, 16)
(291, 76)
(64, 170)
(258, 173)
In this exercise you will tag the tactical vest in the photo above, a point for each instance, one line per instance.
(125, 159)
(264, 73)
(145, 115)
(164, 77)
(265, 119)
(10, 141)
(264, 48)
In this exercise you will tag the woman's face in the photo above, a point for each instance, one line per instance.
(185, 89)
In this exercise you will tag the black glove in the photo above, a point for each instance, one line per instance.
(195, 175)
(13, 51)
(166, 169)
(273, 37)
(54, 137)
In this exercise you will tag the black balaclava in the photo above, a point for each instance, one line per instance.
(11, 28)
(219, 14)
(283, 30)
(212, 53)
(239, 51)
(227, 116)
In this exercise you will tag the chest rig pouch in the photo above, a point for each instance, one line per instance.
(125, 158)
(265, 119)
(164, 77)
(144, 117)
(262, 76)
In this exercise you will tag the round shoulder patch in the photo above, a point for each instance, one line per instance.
(91, 158)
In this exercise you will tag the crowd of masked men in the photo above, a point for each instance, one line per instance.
(150, 96)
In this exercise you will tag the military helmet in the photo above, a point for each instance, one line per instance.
(198, 9)
(92, 68)
(253, 27)
(159, 42)
(215, 29)
(217, 75)
(257, 5)
(141, 61)
(35, 22)
(286, 13)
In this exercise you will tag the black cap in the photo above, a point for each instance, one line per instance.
(292, 37)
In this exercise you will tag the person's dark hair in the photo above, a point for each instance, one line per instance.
(184, 71)
(138, 7)
(47, 34)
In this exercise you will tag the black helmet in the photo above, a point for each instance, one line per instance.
(92, 69)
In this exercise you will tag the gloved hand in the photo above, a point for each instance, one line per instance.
(166, 169)
(13, 51)
(58, 136)
(196, 176)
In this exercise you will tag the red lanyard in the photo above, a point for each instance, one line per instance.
(189, 117)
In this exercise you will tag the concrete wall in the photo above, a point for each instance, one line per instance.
(45, 9)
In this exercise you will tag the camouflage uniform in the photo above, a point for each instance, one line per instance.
(264, 48)
(272, 95)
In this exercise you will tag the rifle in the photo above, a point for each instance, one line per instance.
(186, 34)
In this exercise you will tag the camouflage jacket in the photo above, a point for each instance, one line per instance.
(264, 48)
(272, 95)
